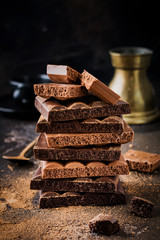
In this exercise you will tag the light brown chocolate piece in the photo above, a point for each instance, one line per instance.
(97, 185)
(62, 74)
(83, 108)
(54, 170)
(106, 153)
(84, 139)
(60, 91)
(110, 124)
(98, 88)
(142, 161)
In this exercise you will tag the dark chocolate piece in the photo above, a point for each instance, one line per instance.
(62, 74)
(60, 91)
(142, 161)
(99, 185)
(109, 124)
(74, 169)
(83, 108)
(55, 199)
(99, 89)
(104, 224)
(83, 139)
(107, 153)
(141, 207)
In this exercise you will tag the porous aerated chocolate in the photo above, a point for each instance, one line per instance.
(54, 199)
(84, 139)
(62, 74)
(142, 161)
(60, 91)
(83, 108)
(141, 207)
(109, 124)
(98, 88)
(74, 169)
(104, 224)
(98, 185)
(107, 153)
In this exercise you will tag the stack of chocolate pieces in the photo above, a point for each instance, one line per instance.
(79, 147)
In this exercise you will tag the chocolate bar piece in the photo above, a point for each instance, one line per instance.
(62, 74)
(107, 153)
(75, 169)
(99, 185)
(142, 161)
(104, 224)
(55, 199)
(110, 124)
(83, 108)
(141, 207)
(60, 91)
(99, 89)
(83, 139)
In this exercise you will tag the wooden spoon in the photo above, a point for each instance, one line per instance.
(21, 156)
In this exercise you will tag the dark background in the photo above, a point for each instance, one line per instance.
(78, 33)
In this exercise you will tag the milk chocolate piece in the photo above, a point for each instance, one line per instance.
(99, 185)
(104, 224)
(99, 89)
(110, 124)
(75, 169)
(83, 139)
(141, 207)
(55, 199)
(83, 108)
(62, 74)
(108, 153)
(142, 161)
(60, 91)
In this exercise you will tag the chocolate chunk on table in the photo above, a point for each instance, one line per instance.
(74, 169)
(60, 91)
(84, 139)
(109, 124)
(98, 88)
(107, 153)
(141, 207)
(82, 108)
(104, 224)
(62, 74)
(142, 161)
(98, 185)
(54, 199)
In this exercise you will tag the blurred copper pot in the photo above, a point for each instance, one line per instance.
(130, 81)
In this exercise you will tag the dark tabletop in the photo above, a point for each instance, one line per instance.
(21, 217)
